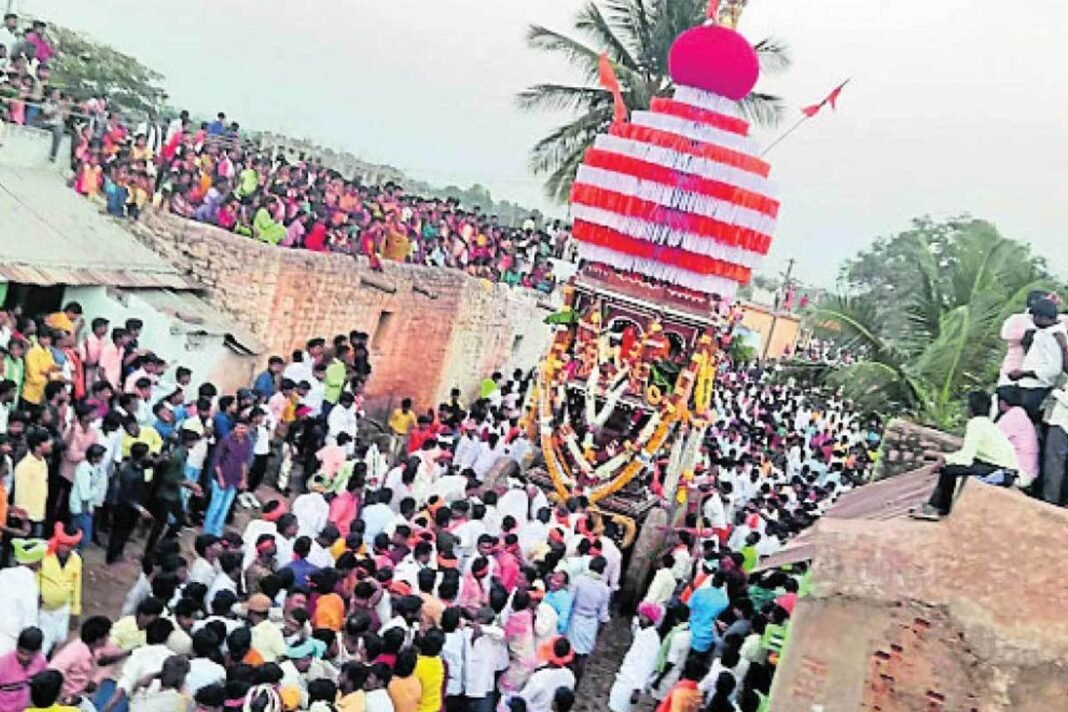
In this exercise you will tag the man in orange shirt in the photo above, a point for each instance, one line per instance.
(684, 696)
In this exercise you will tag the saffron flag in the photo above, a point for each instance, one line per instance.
(610, 81)
(831, 99)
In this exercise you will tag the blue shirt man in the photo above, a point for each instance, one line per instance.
(705, 606)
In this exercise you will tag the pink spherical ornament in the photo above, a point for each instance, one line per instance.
(716, 59)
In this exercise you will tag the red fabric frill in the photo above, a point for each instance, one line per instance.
(673, 256)
(607, 160)
(682, 144)
(696, 114)
(721, 232)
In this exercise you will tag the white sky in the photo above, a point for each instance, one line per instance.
(955, 105)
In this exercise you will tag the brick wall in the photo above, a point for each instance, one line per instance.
(431, 329)
(903, 616)
(905, 447)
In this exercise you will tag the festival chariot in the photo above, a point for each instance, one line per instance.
(672, 210)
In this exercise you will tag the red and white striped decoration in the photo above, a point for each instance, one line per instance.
(678, 194)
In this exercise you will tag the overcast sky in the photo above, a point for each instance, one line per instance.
(955, 105)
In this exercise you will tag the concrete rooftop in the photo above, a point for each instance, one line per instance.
(51, 235)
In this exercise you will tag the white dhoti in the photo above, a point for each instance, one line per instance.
(619, 697)
(55, 625)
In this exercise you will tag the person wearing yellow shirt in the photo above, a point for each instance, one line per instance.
(430, 671)
(60, 579)
(401, 422)
(45, 690)
(40, 369)
(31, 481)
(137, 433)
(68, 320)
(350, 694)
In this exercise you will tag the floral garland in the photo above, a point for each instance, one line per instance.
(695, 381)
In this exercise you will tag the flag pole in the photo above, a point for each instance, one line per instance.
(784, 134)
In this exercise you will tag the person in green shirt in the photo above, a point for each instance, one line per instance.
(336, 373)
(490, 385)
(248, 181)
(14, 368)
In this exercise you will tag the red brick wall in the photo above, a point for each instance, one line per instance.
(444, 328)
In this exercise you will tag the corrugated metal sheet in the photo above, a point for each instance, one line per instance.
(46, 276)
(51, 235)
(887, 499)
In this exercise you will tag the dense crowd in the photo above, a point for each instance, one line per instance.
(27, 96)
(204, 171)
(403, 575)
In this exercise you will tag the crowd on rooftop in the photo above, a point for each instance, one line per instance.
(205, 171)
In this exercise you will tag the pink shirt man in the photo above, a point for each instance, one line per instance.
(15, 680)
(111, 357)
(78, 664)
(1020, 431)
(331, 458)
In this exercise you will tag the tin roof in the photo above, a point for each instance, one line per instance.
(51, 235)
(879, 501)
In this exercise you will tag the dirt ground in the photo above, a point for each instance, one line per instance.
(105, 587)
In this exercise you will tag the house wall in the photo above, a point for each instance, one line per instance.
(778, 331)
(431, 329)
(206, 356)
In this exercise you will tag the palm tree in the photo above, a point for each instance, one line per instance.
(637, 36)
(938, 336)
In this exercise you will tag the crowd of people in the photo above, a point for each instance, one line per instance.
(376, 574)
(27, 94)
(205, 171)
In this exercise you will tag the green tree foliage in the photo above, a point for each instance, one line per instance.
(637, 36)
(924, 309)
(84, 68)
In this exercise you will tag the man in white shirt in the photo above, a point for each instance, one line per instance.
(267, 523)
(483, 648)
(612, 555)
(542, 685)
(203, 671)
(312, 513)
(639, 661)
(343, 419)
(663, 584)
(467, 450)
(144, 662)
(1042, 364)
(489, 452)
(203, 569)
(19, 604)
(317, 393)
(714, 512)
(320, 552)
(9, 32)
(226, 579)
(376, 515)
(299, 369)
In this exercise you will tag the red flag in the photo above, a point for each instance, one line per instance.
(610, 81)
(831, 99)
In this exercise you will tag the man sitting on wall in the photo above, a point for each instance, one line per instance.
(985, 451)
